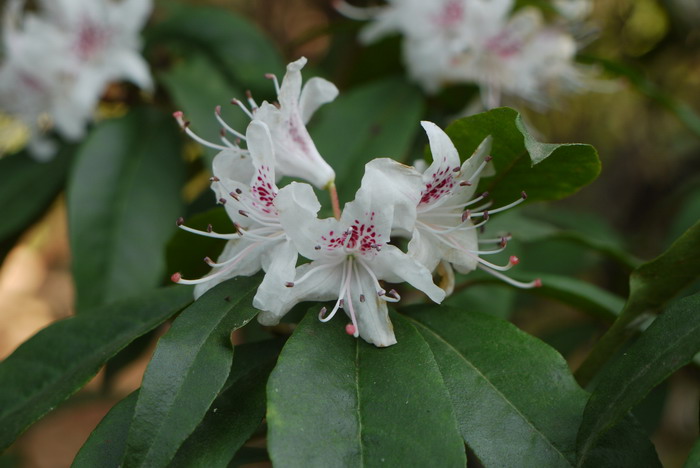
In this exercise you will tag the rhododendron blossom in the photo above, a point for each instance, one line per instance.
(59, 61)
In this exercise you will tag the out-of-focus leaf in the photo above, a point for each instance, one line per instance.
(380, 119)
(680, 109)
(61, 358)
(651, 286)
(668, 344)
(337, 401)
(693, 460)
(515, 400)
(197, 87)
(545, 171)
(123, 196)
(188, 369)
(234, 43)
(237, 410)
(581, 295)
(28, 186)
(236, 413)
(186, 251)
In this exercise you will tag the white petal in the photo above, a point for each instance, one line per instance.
(372, 315)
(426, 249)
(279, 263)
(297, 205)
(391, 264)
(290, 88)
(394, 185)
(314, 94)
(463, 258)
(260, 146)
(130, 65)
(445, 155)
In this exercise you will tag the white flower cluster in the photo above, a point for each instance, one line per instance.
(349, 257)
(57, 62)
(485, 42)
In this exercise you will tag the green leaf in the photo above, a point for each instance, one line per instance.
(186, 250)
(197, 87)
(123, 199)
(693, 460)
(106, 444)
(187, 371)
(515, 400)
(236, 412)
(380, 119)
(60, 359)
(545, 171)
(668, 344)
(27, 187)
(234, 43)
(581, 295)
(651, 286)
(337, 401)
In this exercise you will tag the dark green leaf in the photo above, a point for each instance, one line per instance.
(231, 41)
(236, 413)
(197, 87)
(380, 119)
(105, 446)
(668, 344)
(123, 199)
(516, 402)
(187, 371)
(693, 460)
(337, 401)
(545, 171)
(28, 186)
(651, 285)
(61, 358)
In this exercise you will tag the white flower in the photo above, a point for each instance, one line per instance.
(349, 257)
(435, 32)
(58, 62)
(520, 57)
(444, 233)
(246, 186)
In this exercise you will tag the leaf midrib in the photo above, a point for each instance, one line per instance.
(517, 411)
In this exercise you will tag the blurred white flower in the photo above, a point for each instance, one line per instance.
(58, 62)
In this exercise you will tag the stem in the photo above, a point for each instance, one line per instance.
(334, 200)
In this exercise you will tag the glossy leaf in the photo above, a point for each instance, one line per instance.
(188, 369)
(334, 400)
(515, 399)
(123, 198)
(236, 412)
(197, 87)
(545, 171)
(668, 344)
(380, 119)
(27, 187)
(60, 359)
(651, 285)
(234, 43)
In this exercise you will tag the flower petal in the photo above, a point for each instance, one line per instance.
(248, 263)
(279, 263)
(372, 314)
(314, 94)
(297, 206)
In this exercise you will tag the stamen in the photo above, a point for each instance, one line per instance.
(185, 125)
(518, 284)
(289, 284)
(208, 233)
(510, 205)
(251, 102)
(226, 126)
(506, 267)
(238, 103)
(350, 329)
(271, 76)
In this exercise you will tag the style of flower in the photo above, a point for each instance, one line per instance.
(523, 57)
(58, 62)
(349, 257)
(245, 185)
